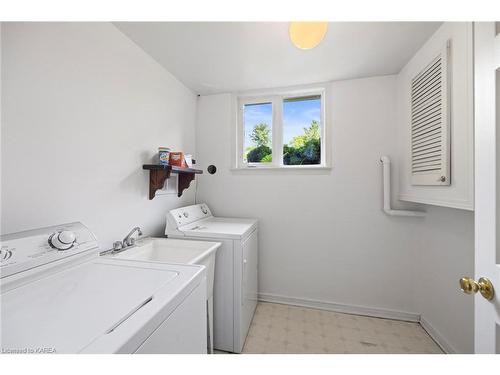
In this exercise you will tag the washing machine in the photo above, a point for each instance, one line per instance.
(59, 296)
(236, 264)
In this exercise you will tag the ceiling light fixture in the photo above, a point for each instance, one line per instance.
(307, 35)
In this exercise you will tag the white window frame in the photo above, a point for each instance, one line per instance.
(277, 98)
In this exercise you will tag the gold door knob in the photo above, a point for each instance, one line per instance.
(483, 285)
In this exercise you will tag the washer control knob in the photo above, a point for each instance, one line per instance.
(62, 240)
(5, 254)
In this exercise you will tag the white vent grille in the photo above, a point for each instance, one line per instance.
(430, 149)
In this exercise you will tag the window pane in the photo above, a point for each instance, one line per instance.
(258, 125)
(302, 130)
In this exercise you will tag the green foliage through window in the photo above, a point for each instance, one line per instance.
(261, 135)
(304, 149)
(260, 154)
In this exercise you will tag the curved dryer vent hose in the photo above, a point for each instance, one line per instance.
(386, 167)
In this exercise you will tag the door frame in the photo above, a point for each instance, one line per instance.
(485, 184)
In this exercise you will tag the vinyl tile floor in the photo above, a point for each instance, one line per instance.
(282, 329)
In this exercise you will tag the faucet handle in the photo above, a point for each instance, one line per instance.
(117, 245)
(130, 241)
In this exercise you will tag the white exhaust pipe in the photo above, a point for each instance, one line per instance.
(386, 168)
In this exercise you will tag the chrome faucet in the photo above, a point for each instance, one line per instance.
(129, 240)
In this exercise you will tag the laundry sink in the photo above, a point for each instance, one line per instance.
(167, 250)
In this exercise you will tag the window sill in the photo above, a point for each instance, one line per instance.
(293, 169)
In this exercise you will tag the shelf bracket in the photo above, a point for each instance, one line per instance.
(184, 180)
(159, 173)
(157, 178)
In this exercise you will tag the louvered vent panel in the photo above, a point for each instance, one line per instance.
(429, 124)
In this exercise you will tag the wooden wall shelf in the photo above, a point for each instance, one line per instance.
(159, 173)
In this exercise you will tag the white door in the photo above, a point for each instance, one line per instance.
(486, 125)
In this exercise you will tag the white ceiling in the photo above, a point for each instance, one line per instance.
(214, 57)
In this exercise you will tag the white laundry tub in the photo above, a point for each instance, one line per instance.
(167, 250)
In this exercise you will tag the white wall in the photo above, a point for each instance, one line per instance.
(323, 234)
(83, 109)
(444, 253)
(444, 241)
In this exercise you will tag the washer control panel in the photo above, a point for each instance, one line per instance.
(187, 215)
(32, 248)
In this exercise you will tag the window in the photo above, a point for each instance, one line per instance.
(302, 131)
(282, 131)
(258, 125)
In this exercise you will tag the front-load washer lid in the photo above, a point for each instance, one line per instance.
(220, 227)
(68, 310)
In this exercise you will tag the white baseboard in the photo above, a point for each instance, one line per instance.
(437, 337)
(362, 310)
(342, 308)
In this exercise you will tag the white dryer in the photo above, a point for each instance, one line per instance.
(235, 283)
(59, 296)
